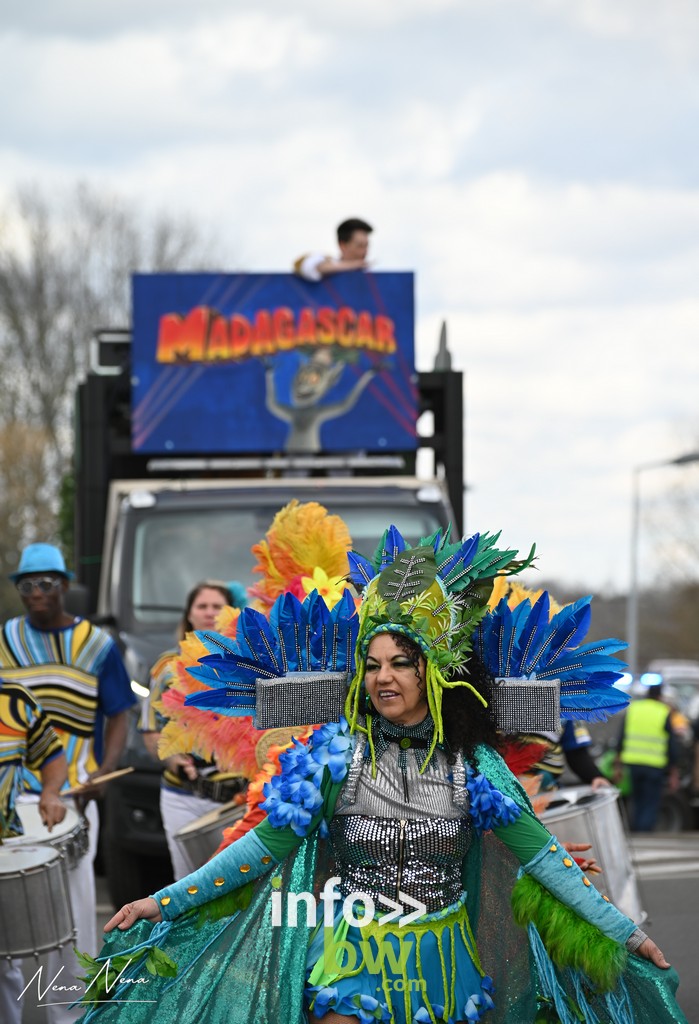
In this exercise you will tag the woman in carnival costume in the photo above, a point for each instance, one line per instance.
(421, 812)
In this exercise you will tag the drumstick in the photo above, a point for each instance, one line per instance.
(76, 790)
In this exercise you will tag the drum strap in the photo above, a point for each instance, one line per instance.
(221, 792)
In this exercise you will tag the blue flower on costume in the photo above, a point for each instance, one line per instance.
(370, 1009)
(423, 1015)
(333, 746)
(488, 806)
(480, 1003)
(294, 797)
(325, 998)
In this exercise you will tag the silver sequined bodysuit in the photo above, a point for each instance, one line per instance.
(384, 845)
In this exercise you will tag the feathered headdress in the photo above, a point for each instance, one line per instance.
(298, 640)
(435, 594)
(525, 642)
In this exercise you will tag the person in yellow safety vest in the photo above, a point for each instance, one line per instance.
(647, 744)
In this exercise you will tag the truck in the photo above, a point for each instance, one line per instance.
(147, 527)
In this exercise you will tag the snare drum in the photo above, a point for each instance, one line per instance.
(201, 838)
(69, 837)
(36, 915)
(579, 814)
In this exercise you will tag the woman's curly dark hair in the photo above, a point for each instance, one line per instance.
(411, 651)
(466, 722)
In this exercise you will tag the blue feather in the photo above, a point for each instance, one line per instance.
(285, 621)
(563, 631)
(234, 669)
(225, 700)
(216, 642)
(361, 570)
(318, 615)
(254, 630)
(344, 622)
(488, 637)
(578, 617)
(595, 657)
(532, 631)
(205, 675)
(596, 704)
(460, 560)
(393, 544)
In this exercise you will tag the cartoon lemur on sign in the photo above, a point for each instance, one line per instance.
(315, 377)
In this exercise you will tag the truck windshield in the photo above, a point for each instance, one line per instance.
(174, 550)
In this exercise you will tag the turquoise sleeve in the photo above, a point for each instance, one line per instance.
(249, 857)
(241, 862)
(546, 860)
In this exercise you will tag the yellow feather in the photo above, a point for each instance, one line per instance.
(303, 537)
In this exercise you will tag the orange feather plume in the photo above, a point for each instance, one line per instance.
(303, 537)
(228, 741)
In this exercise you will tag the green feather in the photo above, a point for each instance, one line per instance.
(224, 906)
(378, 553)
(569, 940)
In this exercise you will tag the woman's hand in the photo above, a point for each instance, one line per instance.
(650, 951)
(130, 913)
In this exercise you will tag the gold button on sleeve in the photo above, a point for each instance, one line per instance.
(606, 899)
(192, 889)
(553, 848)
(245, 868)
(568, 862)
(266, 860)
(219, 881)
(586, 881)
(165, 900)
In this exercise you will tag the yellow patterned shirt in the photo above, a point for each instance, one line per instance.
(26, 738)
(78, 677)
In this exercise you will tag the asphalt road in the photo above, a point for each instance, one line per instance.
(667, 870)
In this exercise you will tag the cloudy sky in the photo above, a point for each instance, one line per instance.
(534, 161)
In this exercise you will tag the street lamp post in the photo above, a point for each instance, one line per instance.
(632, 601)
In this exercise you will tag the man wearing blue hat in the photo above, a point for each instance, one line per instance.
(76, 673)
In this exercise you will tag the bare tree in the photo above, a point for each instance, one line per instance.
(65, 266)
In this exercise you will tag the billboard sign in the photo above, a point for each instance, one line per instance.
(270, 363)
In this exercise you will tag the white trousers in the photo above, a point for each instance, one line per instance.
(57, 984)
(178, 810)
